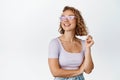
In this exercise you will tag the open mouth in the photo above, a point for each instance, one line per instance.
(67, 25)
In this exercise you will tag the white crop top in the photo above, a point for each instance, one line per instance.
(67, 60)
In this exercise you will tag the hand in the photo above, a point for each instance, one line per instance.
(89, 41)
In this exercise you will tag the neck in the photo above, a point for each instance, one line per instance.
(69, 36)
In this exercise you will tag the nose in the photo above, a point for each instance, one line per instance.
(66, 19)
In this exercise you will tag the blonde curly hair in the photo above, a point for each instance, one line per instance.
(81, 29)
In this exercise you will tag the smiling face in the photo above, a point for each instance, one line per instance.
(72, 20)
(68, 21)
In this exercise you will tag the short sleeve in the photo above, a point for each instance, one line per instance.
(53, 49)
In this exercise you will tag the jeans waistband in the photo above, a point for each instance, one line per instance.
(79, 77)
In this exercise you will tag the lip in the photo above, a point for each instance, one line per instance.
(67, 25)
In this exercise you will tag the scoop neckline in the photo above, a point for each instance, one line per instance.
(68, 51)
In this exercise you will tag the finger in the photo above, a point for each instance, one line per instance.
(89, 37)
(89, 40)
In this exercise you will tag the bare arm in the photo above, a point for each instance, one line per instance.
(88, 62)
(59, 72)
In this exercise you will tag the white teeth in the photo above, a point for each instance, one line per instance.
(67, 24)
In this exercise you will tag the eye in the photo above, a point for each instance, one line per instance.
(71, 17)
(62, 18)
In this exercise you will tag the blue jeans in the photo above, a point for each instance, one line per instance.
(79, 77)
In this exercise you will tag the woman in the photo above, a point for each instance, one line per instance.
(70, 56)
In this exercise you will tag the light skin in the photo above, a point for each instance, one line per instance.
(72, 44)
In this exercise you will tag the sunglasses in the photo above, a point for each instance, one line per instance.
(64, 18)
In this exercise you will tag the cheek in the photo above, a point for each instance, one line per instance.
(61, 24)
(73, 23)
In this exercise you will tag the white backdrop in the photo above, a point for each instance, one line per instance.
(27, 26)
